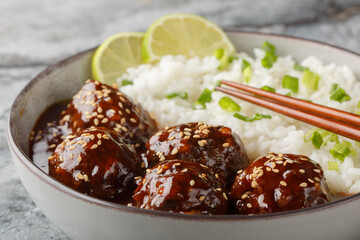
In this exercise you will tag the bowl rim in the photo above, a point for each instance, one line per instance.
(58, 186)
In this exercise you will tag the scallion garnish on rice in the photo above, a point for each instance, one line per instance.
(257, 116)
(246, 71)
(270, 56)
(204, 97)
(315, 138)
(182, 95)
(310, 80)
(340, 151)
(300, 68)
(268, 88)
(226, 103)
(125, 82)
(291, 83)
(338, 94)
(332, 165)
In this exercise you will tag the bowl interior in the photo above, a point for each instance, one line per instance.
(64, 79)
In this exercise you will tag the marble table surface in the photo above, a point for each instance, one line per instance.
(35, 34)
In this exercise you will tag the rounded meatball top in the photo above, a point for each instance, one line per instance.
(98, 104)
(183, 187)
(214, 146)
(279, 182)
(96, 161)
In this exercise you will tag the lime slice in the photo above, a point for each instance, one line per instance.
(115, 55)
(184, 34)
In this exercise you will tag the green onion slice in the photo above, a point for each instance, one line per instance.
(204, 97)
(219, 53)
(325, 135)
(182, 95)
(332, 165)
(269, 59)
(358, 104)
(338, 94)
(268, 47)
(229, 105)
(300, 68)
(310, 80)
(340, 151)
(291, 83)
(315, 137)
(218, 83)
(125, 82)
(246, 70)
(257, 116)
(268, 88)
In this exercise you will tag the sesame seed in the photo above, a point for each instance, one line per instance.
(123, 120)
(84, 145)
(184, 170)
(204, 166)
(192, 182)
(217, 176)
(96, 121)
(268, 169)
(72, 148)
(159, 170)
(317, 179)
(196, 136)
(282, 183)
(86, 178)
(71, 156)
(275, 170)
(52, 146)
(94, 146)
(148, 170)
(201, 144)
(244, 196)
(273, 165)
(51, 158)
(174, 151)
(177, 164)
(127, 111)
(61, 159)
(304, 184)
(116, 129)
(181, 134)
(279, 162)
(249, 205)
(120, 105)
(100, 116)
(133, 120)
(124, 129)
(224, 194)
(162, 159)
(254, 184)
(172, 138)
(79, 158)
(226, 145)
(122, 99)
(129, 204)
(201, 198)
(280, 155)
(240, 171)
(301, 170)
(105, 136)
(317, 170)
(187, 129)
(99, 109)
(187, 137)
(79, 176)
(137, 178)
(310, 180)
(99, 142)
(187, 133)
(290, 161)
(105, 120)
(166, 128)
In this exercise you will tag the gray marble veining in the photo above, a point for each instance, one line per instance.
(35, 34)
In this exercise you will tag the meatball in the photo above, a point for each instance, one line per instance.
(279, 182)
(97, 162)
(97, 104)
(183, 187)
(214, 146)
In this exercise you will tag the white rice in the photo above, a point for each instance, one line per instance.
(278, 134)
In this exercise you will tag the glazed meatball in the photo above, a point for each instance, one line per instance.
(279, 182)
(97, 104)
(183, 187)
(214, 146)
(96, 161)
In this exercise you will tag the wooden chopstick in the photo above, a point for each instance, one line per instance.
(301, 113)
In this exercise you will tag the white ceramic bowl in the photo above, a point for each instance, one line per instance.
(84, 217)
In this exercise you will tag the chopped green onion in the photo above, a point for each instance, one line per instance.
(219, 53)
(268, 47)
(357, 112)
(291, 83)
(315, 137)
(229, 105)
(267, 88)
(340, 151)
(218, 83)
(332, 165)
(205, 97)
(325, 135)
(310, 80)
(257, 116)
(232, 58)
(288, 94)
(270, 56)
(246, 70)
(300, 68)
(183, 95)
(125, 82)
(338, 94)
(358, 104)
(350, 146)
(269, 59)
